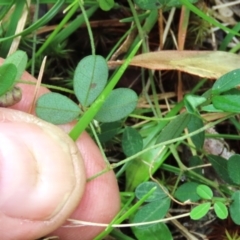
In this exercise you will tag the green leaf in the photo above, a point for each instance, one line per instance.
(220, 166)
(195, 161)
(200, 211)
(156, 4)
(235, 207)
(187, 191)
(233, 167)
(210, 108)
(19, 59)
(90, 78)
(174, 128)
(229, 102)
(108, 131)
(149, 4)
(220, 210)
(106, 5)
(56, 108)
(152, 211)
(8, 74)
(226, 82)
(132, 142)
(157, 231)
(192, 102)
(194, 124)
(143, 188)
(204, 192)
(119, 104)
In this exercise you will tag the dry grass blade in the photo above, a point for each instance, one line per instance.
(206, 64)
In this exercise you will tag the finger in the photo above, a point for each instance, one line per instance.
(101, 201)
(42, 176)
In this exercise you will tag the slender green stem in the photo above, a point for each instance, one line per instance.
(88, 27)
(99, 145)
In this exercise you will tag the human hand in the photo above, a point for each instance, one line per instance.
(33, 186)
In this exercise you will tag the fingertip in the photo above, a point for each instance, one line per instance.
(101, 199)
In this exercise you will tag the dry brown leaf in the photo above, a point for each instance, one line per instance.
(207, 64)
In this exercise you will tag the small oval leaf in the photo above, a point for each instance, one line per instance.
(8, 73)
(119, 104)
(90, 78)
(19, 59)
(229, 102)
(149, 5)
(152, 211)
(200, 211)
(204, 192)
(234, 208)
(108, 131)
(233, 166)
(106, 5)
(143, 188)
(187, 191)
(132, 141)
(159, 231)
(194, 124)
(220, 166)
(226, 82)
(56, 108)
(220, 210)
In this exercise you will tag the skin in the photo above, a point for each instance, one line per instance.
(30, 209)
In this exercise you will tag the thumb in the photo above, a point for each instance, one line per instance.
(42, 176)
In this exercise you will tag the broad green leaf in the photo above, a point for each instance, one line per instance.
(145, 187)
(132, 142)
(210, 108)
(233, 167)
(220, 210)
(195, 161)
(157, 231)
(56, 108)
(108, 131)
(220, 166)
(228, 102)
(8, 74)
(200, 211)
(193, 125)
(204, 192)
(235, 207)
(226, 82)
(90, 78)
(137, 171)
(192, 102)
(119, 104)
(19, 59)
(174, 128)
(106, 5)
(152, 211)
(187, 191)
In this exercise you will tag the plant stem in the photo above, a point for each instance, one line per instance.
(88, 27)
